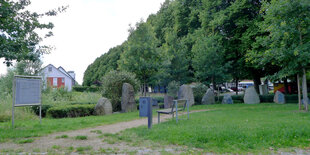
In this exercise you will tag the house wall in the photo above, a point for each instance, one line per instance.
(55, 73)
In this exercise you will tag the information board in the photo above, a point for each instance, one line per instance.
(27, 91)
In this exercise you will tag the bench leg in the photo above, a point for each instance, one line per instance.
(173, 115)
(158, 118)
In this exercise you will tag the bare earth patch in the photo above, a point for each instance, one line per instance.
(90, 141)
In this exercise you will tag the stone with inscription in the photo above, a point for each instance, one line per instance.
(186, 92)
(303, 102)
(208, 98)
(128, 98)
(168, 101)
(227, 99)
(103, 107)
(251, 96)
(279, 98)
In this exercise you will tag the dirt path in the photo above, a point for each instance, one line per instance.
(61, 145)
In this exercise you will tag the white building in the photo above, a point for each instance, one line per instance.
(58, 77)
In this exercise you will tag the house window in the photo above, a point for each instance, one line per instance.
(49, 69)
(62, 80)
(54, 81)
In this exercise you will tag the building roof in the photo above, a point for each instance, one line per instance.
(62, 70)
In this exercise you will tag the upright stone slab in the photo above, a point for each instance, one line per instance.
(251, 96)
(168, 101)
(227, 99)
(128, 98)
(103, 107)
(186, 92)
(303, 101)
(279, 98)
(208, 98)
(263, 89)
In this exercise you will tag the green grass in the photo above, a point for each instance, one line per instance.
(23, 141)
(235, 128)
(81, 137)
(33, 128)
(62, 136)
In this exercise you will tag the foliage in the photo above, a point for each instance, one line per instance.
(44, 109)
(102, 65)
(141, 55)
(86, 88)
(18, 38)
(112, 84)
(199, 91)
(208, 60)
(233, 129)
(26, 67)
(71, 110)
(173, 88)
(6, 83)
(287, 23)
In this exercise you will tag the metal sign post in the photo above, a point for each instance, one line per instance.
(145, 109)
(26, 92)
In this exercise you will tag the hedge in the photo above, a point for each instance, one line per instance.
(78, 110)
(86, 88)
(36, 109)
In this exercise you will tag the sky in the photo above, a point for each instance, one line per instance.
(88, 29)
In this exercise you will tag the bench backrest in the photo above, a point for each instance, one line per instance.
(181, 104)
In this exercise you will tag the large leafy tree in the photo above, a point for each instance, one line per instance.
(141, 55)
(208, 61)
(18, 38)
(287, 44)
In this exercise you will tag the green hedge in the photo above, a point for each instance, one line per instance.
(36, 109)
(78, 110)
(86, 88)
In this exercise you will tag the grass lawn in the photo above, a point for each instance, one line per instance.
(235, 128)
(33, 128)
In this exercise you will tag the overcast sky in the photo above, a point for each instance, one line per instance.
(88, 29)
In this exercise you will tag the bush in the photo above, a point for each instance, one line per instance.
(62, 94)
(199, 90)
(86, 88)
(266, 98)
(5, 118)
(36, 109)
(71, 111)
(173, 88)
(112, 84)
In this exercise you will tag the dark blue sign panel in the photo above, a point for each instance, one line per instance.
(144, 106)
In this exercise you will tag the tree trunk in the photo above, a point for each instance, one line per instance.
(299, 95)
(304, 89)
(286, 86)
(237, 81)
(257, 82)
(144, 88)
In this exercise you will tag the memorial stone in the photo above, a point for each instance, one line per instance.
(208, 98)
(227, 99)
(186, 92)
(251, 96)
(128, 98)
(279, 98)
(103, 107)
(168, 101)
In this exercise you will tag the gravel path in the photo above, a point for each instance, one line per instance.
(51, 143)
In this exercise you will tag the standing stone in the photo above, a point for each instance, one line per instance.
(103, 107)
(128, 98)
(168, 101)
(227, 99)
(263, 89)
(186, 92)
(208, 98)
(251, 96)
(279, 98)
(303, 101)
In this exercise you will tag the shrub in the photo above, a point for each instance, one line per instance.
(266, 98)
(199, 90)
(62, 94)
(5, 118)
(173, 88)
(36, 109)
(112, 84)
(71, 111)
(86, 88)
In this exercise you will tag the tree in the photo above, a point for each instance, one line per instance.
(18, 39)
(287, 44)
(141, 55)
(27, 67)
(208, 61)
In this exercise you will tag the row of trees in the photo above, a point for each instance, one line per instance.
(212, 41)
